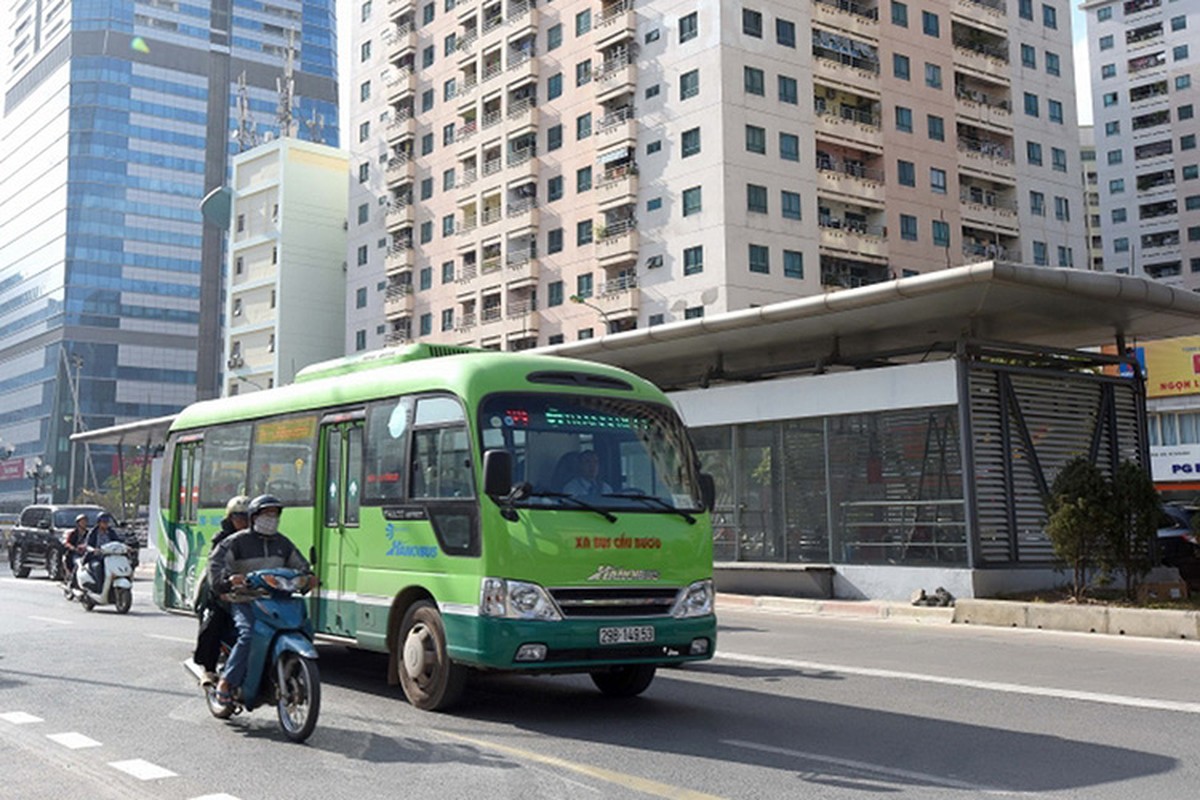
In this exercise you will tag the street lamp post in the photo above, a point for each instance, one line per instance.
(38, 473)
(603, 314)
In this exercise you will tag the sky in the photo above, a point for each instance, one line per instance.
(1083, 83)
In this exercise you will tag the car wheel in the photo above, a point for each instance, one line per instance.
(54, 565)
(18, 562)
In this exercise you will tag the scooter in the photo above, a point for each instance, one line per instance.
(117, 589)
(282, 667)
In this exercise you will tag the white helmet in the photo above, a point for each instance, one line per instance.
(239, 504)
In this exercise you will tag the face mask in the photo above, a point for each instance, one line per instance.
(266, 524)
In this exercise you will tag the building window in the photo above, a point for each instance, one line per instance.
(360, 339)
(900, 14)
(756, 198)
(904, 119)
(788, 91)
(447, 319)
(654, 204)
(790, 204)
(1054, 111)
(785, 32)
(756, 139)
(448, 270)
(1117, 186)
(693, 260)
(554, 37)
(448, 134)
(689, 27)
(1058, 159)
(690, 142)
(941, 233)
(554, 188)
(583, 72)
(554, 86)
(426, 188)
(693, 312)
(1121, 244)
(426, 232)
(1184, 112)
(1119, 215)
(427, 144)
(906, 173)
(583, 232)
(937, 180)
(583, 285)
(364, 213)
(692, 201)
(554, 241)
(653, 147)
(1039, 254)
(447, 225)
(583, 22)
(364, 51)
(1033, 153)
(1053, 64)
(1050, 17)
(789, 147)
(652, 36)
(425, 325)
(361, 255)
(583, 126)
(689, 84)
(1062, 209)
(1178, 23)
(1106, 42)
(1037, 204)
(364, 172)
(364, 91)
(427, 57)
(583, 179)
(1028, 56)
(447, 179)
(754, 81)
(936, 127)
(1031, 104)
(1183, 82)
(1104, 14)
(554, 294)
(930, 24)
(760, 259)
(793, 264)
(900, 66)
(1112, 128)
(908, 227)
(652, 91)
(933, 76)
(752, 23)
(425, 279)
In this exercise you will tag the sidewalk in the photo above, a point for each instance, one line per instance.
(1151, 623)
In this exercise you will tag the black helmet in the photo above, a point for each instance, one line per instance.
(262, 503)
(104, 516)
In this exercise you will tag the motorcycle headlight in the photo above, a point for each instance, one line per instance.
(695, 600)
(516, 600)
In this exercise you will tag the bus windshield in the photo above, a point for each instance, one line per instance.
(613, 453)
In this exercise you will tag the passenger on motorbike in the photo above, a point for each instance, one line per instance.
(74, 545)
(101, 534)
(259, 547)
(214, 613)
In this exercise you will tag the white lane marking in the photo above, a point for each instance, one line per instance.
(142, 770)
(987, 686)
(19, 718)
(179, 639)
(876, 769)
(52, 619)
(72, 740)
(221, 796)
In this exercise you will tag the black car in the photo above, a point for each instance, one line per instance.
(37, 538)
(1177, 541)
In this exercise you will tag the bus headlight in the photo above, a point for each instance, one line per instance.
(516, 600)
(695, 600)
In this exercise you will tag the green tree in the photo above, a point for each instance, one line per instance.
(130, 487)
(1135, 504)
(1080, 509)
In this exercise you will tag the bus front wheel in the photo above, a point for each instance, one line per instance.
(431, 681)
(627, 681)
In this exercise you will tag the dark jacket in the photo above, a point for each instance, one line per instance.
(226, 531)
(97, 537)
(248, 551)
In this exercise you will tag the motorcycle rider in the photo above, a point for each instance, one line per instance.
(261, 546)
(101, 534)
(74, 545)
(214, 613)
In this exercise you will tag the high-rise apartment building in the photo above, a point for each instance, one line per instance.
(117, 120)
(1091, 198)
(657, 161)
(1144, 103)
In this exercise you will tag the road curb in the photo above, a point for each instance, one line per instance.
(850, 609)
(1112, 620)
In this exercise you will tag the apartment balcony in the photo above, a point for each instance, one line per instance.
(849, 17)
(491, 215)
(859, 241)
(466, 47)
(521, 20)
(615, 77)
(522, 317)
(850, 182)
(466, 323)
(521, 164)
(492, 166)
(617, 244)
(977, 252)
(861, 129)
(401, 127)
(399, 259)
(466, 92)
(396, 337)
(985, 156)
(522, 117)
(491, 119)
(991, 15)
(398, 302)
(986, 111)
(401, 42)
(616, 126)
(491, 71)
(466, 179)
(617, 187)
(618, 298)
(399, 216)
(492, 265)
(985, 210)
(399, 170)
(466, 281)
(986, 60)
(399, 8)
(616, 23)
(857, 72)
(522, 216)
(521, 269)
(522, 65)
(401, 86)
(465, 134)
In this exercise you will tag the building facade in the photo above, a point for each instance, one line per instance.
(1146, 132)
(657, 161)
(286, 261)
(117, 120)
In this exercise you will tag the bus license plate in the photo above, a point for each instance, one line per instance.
(634, 633)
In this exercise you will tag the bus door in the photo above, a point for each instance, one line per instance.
(338, 509)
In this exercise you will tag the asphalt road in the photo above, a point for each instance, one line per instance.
(97, 705)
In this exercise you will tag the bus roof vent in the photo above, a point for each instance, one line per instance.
(582, 379)
(387, 357)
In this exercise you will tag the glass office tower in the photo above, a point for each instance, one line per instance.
(118, 118)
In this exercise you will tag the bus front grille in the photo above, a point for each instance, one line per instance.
(652, 601)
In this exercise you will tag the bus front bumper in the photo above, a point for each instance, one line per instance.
(576, 645)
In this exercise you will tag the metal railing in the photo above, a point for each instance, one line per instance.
(490, 265)
(859, 116)
(468, 130)
(622, 283)
(491, 215)
(492, 166)
(616, 230)
(468, 177)
(614, 118)
(521, 206)
(519, 258)
(520, 107)
(612, 13)
(854, 170)
(518, 157)
(866, 12)
(492, 118)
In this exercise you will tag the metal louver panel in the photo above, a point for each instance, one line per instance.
(1025, 427)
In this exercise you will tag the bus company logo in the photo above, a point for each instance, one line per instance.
(607, 573)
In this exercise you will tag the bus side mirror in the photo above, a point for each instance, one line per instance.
(497, 473)
(708, 490)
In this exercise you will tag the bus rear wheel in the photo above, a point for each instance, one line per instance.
(431, 681)
(627, 681)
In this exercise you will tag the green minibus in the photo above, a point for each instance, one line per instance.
(464, 510)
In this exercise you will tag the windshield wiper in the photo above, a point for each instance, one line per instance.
(576, 501)
(638, 494)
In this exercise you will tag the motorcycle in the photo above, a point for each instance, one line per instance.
(117, 589)
(282, 668)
